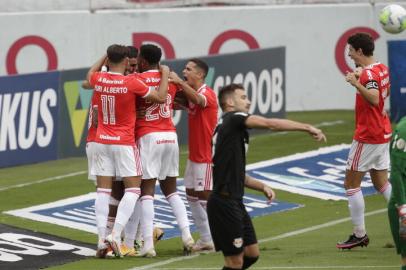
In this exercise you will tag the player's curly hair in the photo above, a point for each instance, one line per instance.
(362, 41)
(151, 53)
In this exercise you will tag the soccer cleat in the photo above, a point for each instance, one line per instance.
(188, 246)
(147, 253)
(138, 245)
(110, 253)
(115, 246)
(102, 250)
(127, 251)
(158, 233)
(353, 242)
(202, 246)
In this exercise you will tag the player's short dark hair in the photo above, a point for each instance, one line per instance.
(201, 65)
(362, 41)
(151, 53)
(226, 92)
(116, 53)
(132, 52)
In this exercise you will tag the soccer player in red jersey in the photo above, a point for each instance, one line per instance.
(115, 152)
(202, 111)
(158, 144)
(370, 147)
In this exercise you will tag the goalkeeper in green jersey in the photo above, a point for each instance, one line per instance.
(397, 202)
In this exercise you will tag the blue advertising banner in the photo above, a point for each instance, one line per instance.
(78, 212)
(397, 69)
(28, 118)
(319, 173)
(261, 72)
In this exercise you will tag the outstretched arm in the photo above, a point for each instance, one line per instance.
(256, 121)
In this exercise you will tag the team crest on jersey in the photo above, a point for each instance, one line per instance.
(238, 242)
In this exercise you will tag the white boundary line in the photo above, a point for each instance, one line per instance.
(312, 153)
(281, 236)
(58, 177)
(28, 213)
(298, 267)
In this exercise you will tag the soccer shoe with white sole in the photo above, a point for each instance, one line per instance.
(127, 251)
(157, 234)
(203, 246)
(150, 253)
(115, 245)
(188, 246)
(353, 242)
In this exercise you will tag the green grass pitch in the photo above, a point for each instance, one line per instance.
(309, 247)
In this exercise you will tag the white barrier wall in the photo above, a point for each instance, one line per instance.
(315, 58)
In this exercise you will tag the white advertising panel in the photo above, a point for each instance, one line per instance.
(314, 37)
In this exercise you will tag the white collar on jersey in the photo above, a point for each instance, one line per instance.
(201, 87)
(150, 70)
(114, 73)
(373, 64)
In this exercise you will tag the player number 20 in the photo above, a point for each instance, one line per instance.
(156, 110)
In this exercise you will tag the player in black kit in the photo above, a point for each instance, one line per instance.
(230, 224)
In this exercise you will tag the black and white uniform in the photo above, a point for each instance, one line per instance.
(230, 224)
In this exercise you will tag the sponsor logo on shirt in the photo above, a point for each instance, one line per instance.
(165, 141)
(107, 81)
(152, 80)
(372, 85)
(111, 138)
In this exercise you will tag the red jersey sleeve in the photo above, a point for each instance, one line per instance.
(369, 79)
(93, 78)
(210, 98)
(138, 87)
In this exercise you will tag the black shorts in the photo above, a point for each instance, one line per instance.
(230, 225)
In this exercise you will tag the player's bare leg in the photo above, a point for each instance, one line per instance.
(168, 187)
(234, 261)
(251, 255)
(356, 205)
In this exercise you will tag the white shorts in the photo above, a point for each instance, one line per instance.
(116, 160)
(89, 154)
(159, 153)
(198, 176)
(364, 157)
